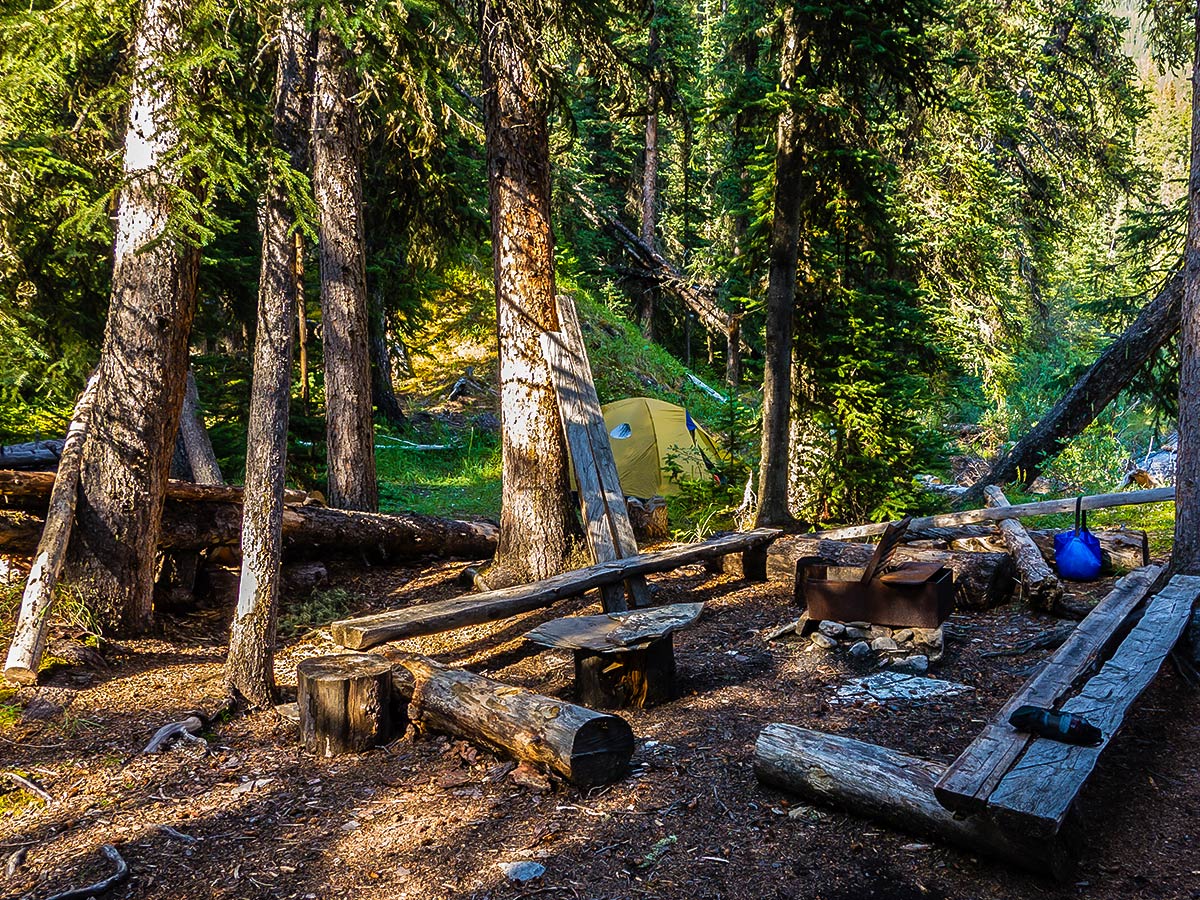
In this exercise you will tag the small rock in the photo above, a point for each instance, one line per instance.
(913, 665)
(521, 872)
(864, 626)
(904, 634)
(860, 650)
(884, 643)
(878, 631)
(832, 629)
(855, 634)
(352, 825)
(823, 641)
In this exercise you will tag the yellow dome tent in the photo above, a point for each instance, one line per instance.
(644, 432)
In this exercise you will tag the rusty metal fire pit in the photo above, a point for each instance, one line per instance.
(913, 595)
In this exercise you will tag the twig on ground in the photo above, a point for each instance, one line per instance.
(1047, 641)
(30, 785)
(171, 732)
(99, 887)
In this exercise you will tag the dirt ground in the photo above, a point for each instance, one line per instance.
(428, 817)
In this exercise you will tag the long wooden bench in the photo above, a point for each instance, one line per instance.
(1009, 794)
(489, 606)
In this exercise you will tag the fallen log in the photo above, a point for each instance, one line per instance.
(584, 746)
(1040, 584)
(29, 638)
(29, 491)
(882, 784)
(196, 517)
(996, 513)
(1122, 549)
(1105, 378)
(981, 580)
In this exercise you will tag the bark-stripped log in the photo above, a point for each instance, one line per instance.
(29, 639)
(1041, 585)
(585, 747)
(883, 784)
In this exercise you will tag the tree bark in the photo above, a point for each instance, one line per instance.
(337, 185)
(301, 321)
(29, 636)
(781, 292)
(249, 665)
(1105, 378)
(1185, 556)
(537, 522)
(382, 390)
(143, 361)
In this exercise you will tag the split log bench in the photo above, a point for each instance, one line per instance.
(489, 606)
(621, 659)
(1010, 793)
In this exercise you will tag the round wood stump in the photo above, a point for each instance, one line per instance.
(620, 679)
(345, 703)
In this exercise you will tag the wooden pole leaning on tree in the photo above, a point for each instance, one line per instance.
(29, 639)
(584, 746)
(997, 513)
(1041, 585)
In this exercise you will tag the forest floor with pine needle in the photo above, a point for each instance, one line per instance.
(430, 817)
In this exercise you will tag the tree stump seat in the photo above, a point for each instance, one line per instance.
(345, 703)
(622, 660)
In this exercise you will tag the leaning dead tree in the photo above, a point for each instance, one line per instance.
(1105, 378)
(29, 639)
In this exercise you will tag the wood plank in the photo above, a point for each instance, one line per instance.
(995, 514)
(887, 785)
(975, 774)
(615, 631)
(605, 515)
(473, 609)
(1038, 793)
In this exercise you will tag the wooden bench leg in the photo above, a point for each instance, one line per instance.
(619, 679)
(754, 564)
(715, 565)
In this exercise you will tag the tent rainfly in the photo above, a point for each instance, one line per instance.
(644, 432)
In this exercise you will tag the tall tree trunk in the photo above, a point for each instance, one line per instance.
(1104, 379)
(650, 177)
(537, 521)
(143, 361)
(382, 389)
(301, 321)
(733, 351)
(202, 459)
(1185, 557)
(249, 667)
(781, 292)
(337, 184)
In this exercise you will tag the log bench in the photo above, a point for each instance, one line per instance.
(1010, 793)
(489, 606)
(621, 659)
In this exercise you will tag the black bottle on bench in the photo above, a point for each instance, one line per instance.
(1057, 726)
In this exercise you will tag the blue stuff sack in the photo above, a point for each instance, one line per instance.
(1077, 553)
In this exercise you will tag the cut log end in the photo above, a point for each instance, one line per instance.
(601, 751)
(20, 675)
(636, 678)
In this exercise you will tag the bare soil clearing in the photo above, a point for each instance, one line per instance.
(428, 817)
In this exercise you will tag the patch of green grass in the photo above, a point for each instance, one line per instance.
(10, 713)
(320, 608)
(458, 482)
